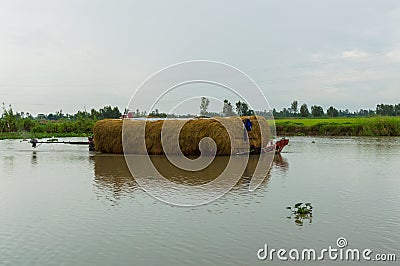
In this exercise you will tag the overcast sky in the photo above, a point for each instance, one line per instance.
(74, 54)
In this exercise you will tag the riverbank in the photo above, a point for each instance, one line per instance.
(26, 128)
(30, 135)
(368, 126)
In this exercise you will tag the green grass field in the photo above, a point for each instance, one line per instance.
(365, 126)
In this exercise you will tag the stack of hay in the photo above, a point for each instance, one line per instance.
(108, 135)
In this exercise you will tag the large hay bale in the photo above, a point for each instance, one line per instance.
(108, 135)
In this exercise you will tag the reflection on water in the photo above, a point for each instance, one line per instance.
(112, 175)
(34, 160)
(62, 205)
(9, 162)
(281, 162)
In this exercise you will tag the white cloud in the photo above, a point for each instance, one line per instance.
(394, 54)
(354, 54)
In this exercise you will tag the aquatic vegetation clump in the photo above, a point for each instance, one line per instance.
(300, 212)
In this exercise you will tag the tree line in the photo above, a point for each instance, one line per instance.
(241, 108)
(58, 122)
(318, 111)
(83, 121)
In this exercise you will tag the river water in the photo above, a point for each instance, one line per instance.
(60, 204)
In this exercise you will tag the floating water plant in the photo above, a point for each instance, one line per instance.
(300, 212)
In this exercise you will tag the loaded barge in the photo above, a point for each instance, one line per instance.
(247, 139)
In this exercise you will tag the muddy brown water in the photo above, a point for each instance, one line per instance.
(61, 204)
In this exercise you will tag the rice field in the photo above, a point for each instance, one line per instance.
(364, 126)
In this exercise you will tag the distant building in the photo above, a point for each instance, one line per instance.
(128, 115)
